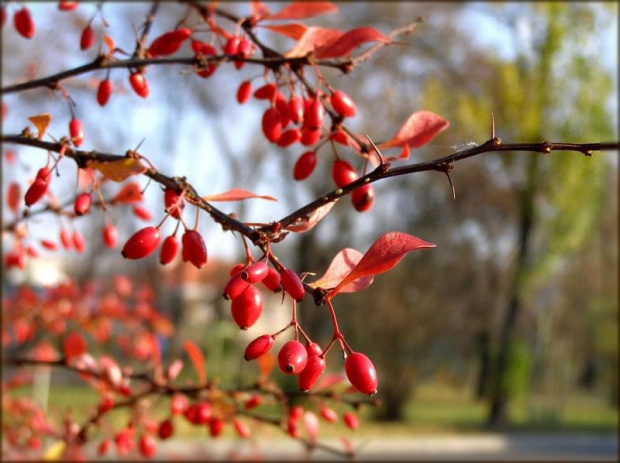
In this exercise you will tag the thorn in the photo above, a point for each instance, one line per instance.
(492, 126)
(451, 184)
(381, 160)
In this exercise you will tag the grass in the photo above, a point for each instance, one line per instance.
(437, 409)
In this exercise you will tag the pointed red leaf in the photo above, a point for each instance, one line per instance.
(311, 220)
(294, 31)
(236, 194)
(198, 360)
(302, 10)
(266, 363)
(314, 37)
(328, 381)
(345, 44)
(340, 267)
(384, 254)
(129, 193)
(418, 130)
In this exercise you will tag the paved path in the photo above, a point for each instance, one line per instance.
(474, 447)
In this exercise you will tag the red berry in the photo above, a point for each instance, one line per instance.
(304, 166)
(35, 191)
(235, 286)
(173, 204)
(142, 213)
(23, 23)
(343, 173)
(282, 107)
(203, 49)
(142, 243)
(266, 92)
(88, 38)
(242, 429)
(292, 284)
(363, 197)
(247, 308)
(168, 250)
(65, 239)
(296, 109)
(103, 448)
(311, 373)
(313, 349)
(67, 5)
(166, 429)
(272, 124)
(104, 91)
(76, 132)
(340, 136)
(253, 402)
(258, 347)
(314, 114)
(194, 248)
(329, 415)
(310, 136)
(289, 137)
(255, 272)
(82, 204)
(295, 413)
(272, 281)
(110, 236)
(147, 445)
(198, 413)
(244, 91)
(351, 420)
(361, 373)
(139, 84)
(292, 357)
(78, 241)
(236, 269)
(178, 404)
(73, 345)
(244, 50)
(292, 428)
(232, 46)
(47, 244)
(343, 104)
(216, 426)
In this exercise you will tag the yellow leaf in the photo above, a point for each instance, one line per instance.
(55, 451)
(119, 171)
(41, 122)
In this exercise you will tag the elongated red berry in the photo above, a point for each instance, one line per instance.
(139, 84)
(253, 402)
(361, 373)
(282, 106)
(258, 347)
(311, 373)
(235, 286)
(343, 104)
(73, 345)
(67, 5)
(272, 281)
(351, 420)
(104, 91)
(24, 23)
(329, 414)
(232, 45)
(255, 272)
(65, 239)
(236, 268)
(266, 92)
(147, 445)
(292, 284)
(110, 235)
(296, 109)
(289, 137)
(165, 429)
(314, 114)
(47, 244)
(142, 243)
(343, 173)
(168, 250)
(173, 204)
(363, 197)
(88, 38)
(203, 49)
(35, 191)
(76, 131)
(82, 204)
(292, 357)
(304, 166)
(313, 349)
(78, 241)
(272, 124)
(310, 136)
(216, 426)
(244, 50)
(247, 308)
(194, 248)
(244, 91)
(142, 213)
(242, 429)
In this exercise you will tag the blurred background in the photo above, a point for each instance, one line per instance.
(511, 323)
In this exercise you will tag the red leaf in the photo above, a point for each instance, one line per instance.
(349, 41)
(266, 363)
(312, 425)
(340, 267)
(418, 130)
(236, 194)
(314, 37)
(328, 381)
(384, 254)
(311, 220)
(14, 197)
(129, 193)
(198, 360)
(293, 31)
(302, 10)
